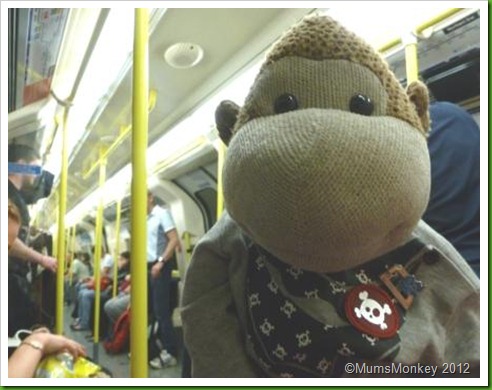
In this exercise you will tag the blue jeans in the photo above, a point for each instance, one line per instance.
(159, 295)
(67, 291)
(86, 299)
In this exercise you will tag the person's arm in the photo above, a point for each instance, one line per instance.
(22, 251)
(172, 245)
(125, 285)
(24, 360)
(87, 279)
(127, 289)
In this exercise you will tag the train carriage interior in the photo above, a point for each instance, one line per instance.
(71, 70)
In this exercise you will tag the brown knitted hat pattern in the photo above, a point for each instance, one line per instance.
(320, 38)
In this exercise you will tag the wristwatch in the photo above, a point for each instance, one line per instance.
(160, 259)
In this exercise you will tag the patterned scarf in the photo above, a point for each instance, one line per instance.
(298, 321)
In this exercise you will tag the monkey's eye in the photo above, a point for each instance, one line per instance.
(361, 104)
(285, 102)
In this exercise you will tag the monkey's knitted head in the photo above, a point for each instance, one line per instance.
(327, 165)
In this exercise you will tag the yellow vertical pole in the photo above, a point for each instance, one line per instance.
(66, 261)
(97, 253)
(221, 152)
(411, 58)
(116, 247)
(411, 62)
(138, 330)
(61, 228)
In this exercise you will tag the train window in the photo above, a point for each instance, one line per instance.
(35, 37)
(449, 63)
(211, 169)
(456, 80)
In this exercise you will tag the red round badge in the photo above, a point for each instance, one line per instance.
(370, 310)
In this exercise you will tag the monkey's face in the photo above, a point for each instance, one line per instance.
(323, 177)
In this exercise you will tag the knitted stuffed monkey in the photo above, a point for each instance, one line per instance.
(321, 256)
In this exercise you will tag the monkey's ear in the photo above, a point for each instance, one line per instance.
(419, 96)
(225, 119)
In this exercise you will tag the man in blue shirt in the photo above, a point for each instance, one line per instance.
(454, 205)
(162, 242)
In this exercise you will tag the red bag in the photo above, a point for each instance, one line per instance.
(105, 282)
(121, 334)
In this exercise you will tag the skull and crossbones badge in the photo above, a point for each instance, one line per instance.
(370, 310)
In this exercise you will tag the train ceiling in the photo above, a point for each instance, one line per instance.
(93, 75)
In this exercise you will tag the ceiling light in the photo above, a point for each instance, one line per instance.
(183, 55)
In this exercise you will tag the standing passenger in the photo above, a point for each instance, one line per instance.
(20, 184)
(162, 242)
(22, 310)
(454, 204)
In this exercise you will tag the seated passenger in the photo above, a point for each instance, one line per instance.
(87, 283)
(24, 360)
(80, 271)
(454, 204)
(86, 295)
(106, 264)
(114, 307)
(22, 310)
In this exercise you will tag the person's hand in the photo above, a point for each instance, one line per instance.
(53, 344)
(48, 262)
(156, 269)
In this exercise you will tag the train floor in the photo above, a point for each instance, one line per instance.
(119, 364)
